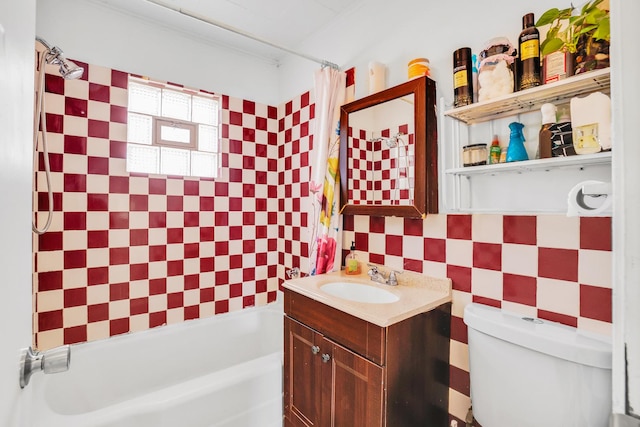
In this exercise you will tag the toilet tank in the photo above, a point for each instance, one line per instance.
(528, 372)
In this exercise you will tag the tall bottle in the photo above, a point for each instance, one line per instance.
(545, 135)
(529, 49)
(462, 77)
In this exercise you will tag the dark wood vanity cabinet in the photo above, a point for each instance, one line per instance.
(342, 371)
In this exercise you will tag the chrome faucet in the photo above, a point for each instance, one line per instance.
(50, 362)
(377, 276)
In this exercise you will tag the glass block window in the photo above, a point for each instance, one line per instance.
(171, 130)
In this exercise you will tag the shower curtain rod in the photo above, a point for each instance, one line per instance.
(240, 32)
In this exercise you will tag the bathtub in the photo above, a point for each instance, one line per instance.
(222, 371)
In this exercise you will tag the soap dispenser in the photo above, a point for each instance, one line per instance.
(351, 264)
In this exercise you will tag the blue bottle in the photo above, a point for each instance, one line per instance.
(516, 151)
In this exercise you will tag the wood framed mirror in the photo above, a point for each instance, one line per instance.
(389, 153)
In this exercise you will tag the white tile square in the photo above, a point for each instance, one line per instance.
(520, 259)
(157, 203)
(97, 110)
(97, 221)
(50, 339)
(459, 355)
(191, 266)
(50, 300)
(486, 283)
(49, 261)
(139, 322)
(78, 126)
(117, 131)
(459, 252)
(175, 284)
(97, 257)
(487, 228)
(74, 202)
(76, 164)
(157, 303)
(97, 294)
(158, 270)
(76, 89)
(434, 269)
(98, 147)
(75, 316)
(520, 309)
(118, 202)
(138, 185)
(74, 240)
(138, 254)
(98, 330)
(119, 96)
(459, 302)
(558, 231)
(98, 184)
(595, 326)
(138, 289)
(157, 236)
(594, 268)
(99, 75)
(435, 226)
(222, 292)
(558, 296)
(119, 273)
(74, 278)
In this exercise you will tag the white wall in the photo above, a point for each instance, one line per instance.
(92, 33)
(394, 32)
(17, 30)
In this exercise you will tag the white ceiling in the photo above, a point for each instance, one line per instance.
(286, 23)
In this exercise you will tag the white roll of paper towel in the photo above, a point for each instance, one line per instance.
(590, 198)
(377, 77)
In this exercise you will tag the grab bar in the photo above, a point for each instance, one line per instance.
(50, 362)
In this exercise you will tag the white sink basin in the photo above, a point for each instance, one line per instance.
(359, 292)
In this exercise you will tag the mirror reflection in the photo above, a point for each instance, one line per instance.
(381, 154)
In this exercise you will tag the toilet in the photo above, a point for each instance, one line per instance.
(527, 372)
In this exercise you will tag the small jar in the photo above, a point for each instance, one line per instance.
(418, 67)
(474, 155)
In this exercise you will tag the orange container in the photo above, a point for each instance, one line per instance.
(418, 67)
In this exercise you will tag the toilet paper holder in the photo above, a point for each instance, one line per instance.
(577, 205)
(597, 189)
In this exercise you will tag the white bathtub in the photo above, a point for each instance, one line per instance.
(223, 371)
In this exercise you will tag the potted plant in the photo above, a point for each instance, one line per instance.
(585, 35)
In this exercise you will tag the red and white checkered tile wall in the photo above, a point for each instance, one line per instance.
(128, 252)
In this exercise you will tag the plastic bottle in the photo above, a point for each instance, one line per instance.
(516, 151)
(544, 137)
(494, 151)
(529, 49)
(351, 264)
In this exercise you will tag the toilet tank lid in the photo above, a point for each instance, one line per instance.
(552, 338)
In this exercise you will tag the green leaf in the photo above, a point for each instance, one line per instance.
(604, 30)
(551, 45)
(586, 30)
(548, 17)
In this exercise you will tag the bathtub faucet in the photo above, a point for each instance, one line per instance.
(50, 362)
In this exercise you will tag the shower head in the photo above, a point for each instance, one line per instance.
(54, 55)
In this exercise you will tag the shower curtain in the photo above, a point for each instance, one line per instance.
(325, 224)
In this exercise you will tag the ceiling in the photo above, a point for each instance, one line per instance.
(285, 23)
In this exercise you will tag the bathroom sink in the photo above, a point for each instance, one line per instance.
(359, 292)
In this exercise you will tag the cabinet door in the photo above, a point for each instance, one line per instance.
(302, 375)
(356, 390)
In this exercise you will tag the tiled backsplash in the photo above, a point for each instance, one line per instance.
(130, 252)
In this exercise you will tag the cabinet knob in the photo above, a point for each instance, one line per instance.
(315, 349)
(325, 358)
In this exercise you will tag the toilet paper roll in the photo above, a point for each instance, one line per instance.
(581, 204)
(377, 75)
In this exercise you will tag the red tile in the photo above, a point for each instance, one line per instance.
(487, 301)
(117, 149)
(119, 79)
(459, 227)
(98, 129)
(98, 312)
(560, 264)
(435, 249)
(157, 253)
(175, 235)
(595, 233)
(139, 237)
(49, 281)
(97, 202)
(221, 218)
(157, 286)
(207, 234)
(75, 107)
(75, 259)
(207, 204)
(459, 330)
(55, 123)
(248, 134)
(139, 271)
(175, 268)
(119, 184)
(75, 297)
(460, 277)
(520, 229)
(50, 241)
(75, 144)
(118, 220)
(49, 320)
(192, 312)
(519, 289)
(221, 307)
(75, 183)
(235, 233)
(118, 291)
(191, 188)
(175, 300)
(222, 248)
(118, 326)
(157, 186)
(191, 281)
(54, 84)
(98, 165)
(174, 203)
(191, 219)
(118, 256)
(118, 114)
(235, 118)
(222, 278)
(157, 219)
(376, 224)
(595, 303)
(459, 380)
(556, 317)
(487, 256)
(138, 202)
(138, 306)
(236, 261)
(157, 319)
(207, 295)
(191, 250)
(75, 334)
(98, 239)
(98, 92)
(97, 276)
